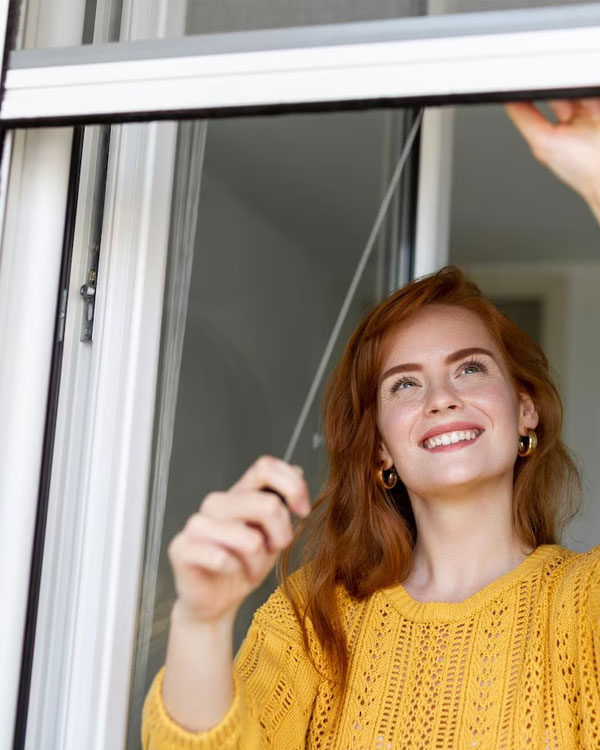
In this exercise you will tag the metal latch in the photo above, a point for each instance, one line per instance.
(89, 288)
(88, 294)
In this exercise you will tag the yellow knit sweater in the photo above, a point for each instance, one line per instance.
(515, 666)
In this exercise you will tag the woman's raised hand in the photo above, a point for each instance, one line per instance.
(570, 148)
(228, 547)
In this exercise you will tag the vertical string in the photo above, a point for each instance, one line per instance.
(312, 391)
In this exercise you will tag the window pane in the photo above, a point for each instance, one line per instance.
(97, 21)
(211, 16)
(286, 206)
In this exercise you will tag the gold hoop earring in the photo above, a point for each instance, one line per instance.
(527, 443)
(392, 477)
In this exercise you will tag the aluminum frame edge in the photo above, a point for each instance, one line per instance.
(372, 73)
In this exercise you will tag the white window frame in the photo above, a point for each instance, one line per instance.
(425, 59)
(35, 173)
(101, 463)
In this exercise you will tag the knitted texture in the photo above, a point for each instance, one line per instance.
(516, 665)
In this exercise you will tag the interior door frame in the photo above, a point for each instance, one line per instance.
(105, 474)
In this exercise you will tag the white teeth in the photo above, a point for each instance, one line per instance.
(451, 437)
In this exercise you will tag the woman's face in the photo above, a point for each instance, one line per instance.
(448, 412)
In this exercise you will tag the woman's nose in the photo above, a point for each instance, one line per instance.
(442, 396)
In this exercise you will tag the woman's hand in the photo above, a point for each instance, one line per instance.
(229, 546)
(570, 148)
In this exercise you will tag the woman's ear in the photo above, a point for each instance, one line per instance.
(385, 456)
(528, 415)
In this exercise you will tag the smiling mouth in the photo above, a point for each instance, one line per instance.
(459, 438)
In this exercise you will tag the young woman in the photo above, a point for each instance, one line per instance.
(435, 607)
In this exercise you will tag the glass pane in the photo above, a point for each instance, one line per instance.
(211, 16)
(532, 244)
(286, 207)
(97, 21)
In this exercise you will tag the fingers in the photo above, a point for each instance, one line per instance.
(532, 124)
(262, 510)
(562, 108)
(288, 480)
(209, 556)
(227, 548)
(529, 119)
(566, 109)
(590, 106)
(216, 544)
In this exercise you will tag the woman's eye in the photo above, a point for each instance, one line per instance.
(469, 367)
(401, 385)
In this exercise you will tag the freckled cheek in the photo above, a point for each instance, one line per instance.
(395, 423)
(497, 403)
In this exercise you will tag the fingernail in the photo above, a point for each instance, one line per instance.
(299, 469)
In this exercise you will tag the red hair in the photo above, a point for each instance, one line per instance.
(361, 536)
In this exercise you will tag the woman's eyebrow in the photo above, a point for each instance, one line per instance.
(467, 353)
(454, 357)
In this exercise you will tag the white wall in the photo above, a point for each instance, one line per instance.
(582, 395)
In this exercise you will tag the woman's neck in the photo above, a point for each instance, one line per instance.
(463, 543)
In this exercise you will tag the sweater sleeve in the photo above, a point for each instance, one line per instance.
(275, 686)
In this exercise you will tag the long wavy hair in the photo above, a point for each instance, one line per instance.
(362, 536)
